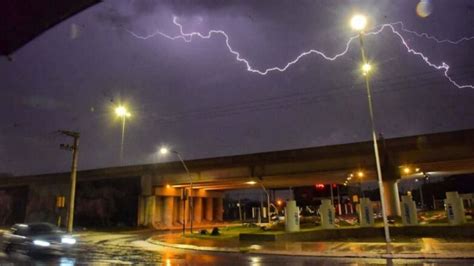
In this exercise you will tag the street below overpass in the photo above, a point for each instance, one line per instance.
(105, 248)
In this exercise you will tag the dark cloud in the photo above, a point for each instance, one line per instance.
(44, 103)
(197, 98)
(112, 16)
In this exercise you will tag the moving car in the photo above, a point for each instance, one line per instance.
(33, 238)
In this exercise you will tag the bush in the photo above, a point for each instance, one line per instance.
(203, 232)
(215, 231)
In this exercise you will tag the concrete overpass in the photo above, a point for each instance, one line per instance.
(161, 183)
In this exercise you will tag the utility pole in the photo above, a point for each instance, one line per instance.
(72, 195)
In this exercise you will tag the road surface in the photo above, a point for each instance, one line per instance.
(126, 249)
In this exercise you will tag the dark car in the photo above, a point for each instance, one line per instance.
(37, 238)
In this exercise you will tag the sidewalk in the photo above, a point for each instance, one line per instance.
(424, 248)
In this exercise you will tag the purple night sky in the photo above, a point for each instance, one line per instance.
(196, 98)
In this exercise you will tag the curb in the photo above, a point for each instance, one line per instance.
(193, 247)
(315, 254)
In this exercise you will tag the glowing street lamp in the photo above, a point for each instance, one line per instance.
(164, 151)
(366, 68)
(360, 175)
(406, 170)
(123, 113)
(359, 23)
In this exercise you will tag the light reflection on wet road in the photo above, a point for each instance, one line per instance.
(104, 255)
(134, 250)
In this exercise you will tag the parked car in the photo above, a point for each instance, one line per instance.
(37, 238)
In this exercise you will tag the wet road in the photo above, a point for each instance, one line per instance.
(133, 249)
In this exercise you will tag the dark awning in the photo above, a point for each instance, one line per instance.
(23, 20)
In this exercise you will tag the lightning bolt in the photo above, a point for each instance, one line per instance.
(430, 37)
(188, 37)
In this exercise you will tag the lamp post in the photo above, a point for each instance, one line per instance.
(164, 151)
(358, 23)
(265, 191)
(360, 176)
(268, 200)
(122, 113)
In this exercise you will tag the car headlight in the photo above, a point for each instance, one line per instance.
(68, 240)
(41, 243)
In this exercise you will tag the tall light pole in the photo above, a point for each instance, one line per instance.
(268, 199)
(122, 113)
(358, 23)
(72, 194)
(164, 151)
(265, 191)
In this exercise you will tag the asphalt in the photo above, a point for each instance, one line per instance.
(422, 248)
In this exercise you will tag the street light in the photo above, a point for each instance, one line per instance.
(122, 112)
(252, 182)
(366, 69)
(359, 23)
(360, 175)
(164, 151)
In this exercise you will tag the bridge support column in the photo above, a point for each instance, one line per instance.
(176, 217)
(181, 211)
(197, 210)
(209, 209)
(158, 210)
(141, 211)
(392, 198)
(146, 210)
(149, 210)
(168, 207)
(219, 209)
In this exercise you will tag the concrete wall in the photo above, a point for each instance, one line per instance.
(41, 205)
(13, 202)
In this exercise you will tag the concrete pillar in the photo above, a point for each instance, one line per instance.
(141, 211)
(168, 210)
(409, 216)
(219, 209)
(176, 217)
(197, 210)
(181, 211)
(455, 208)
(209, 209)
(149, 210)
(146, 183)
(366, 213)
(158, 210)
(326, 210)
(292, 217)
(392, 199)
